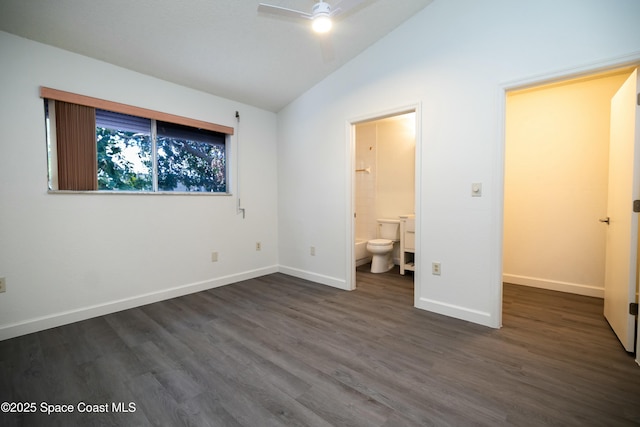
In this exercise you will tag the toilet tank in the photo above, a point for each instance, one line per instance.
(389, 229)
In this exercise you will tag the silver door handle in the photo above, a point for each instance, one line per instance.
(604, 220)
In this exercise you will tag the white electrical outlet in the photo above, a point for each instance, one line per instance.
(436, 268)
(313, 251)
(214, 256)
(3, 284)
(258, 246)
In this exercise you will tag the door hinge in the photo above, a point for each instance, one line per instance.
(633, 308)
(636, 205)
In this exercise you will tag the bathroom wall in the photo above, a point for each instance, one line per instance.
(395, 189)
(387, 149)
(365, 181)
(556, 175)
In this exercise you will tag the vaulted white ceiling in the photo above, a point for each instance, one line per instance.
(223, 47)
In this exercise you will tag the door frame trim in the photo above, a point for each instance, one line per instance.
(350, 124)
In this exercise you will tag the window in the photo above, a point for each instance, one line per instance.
(99, 149)
(190, 159)
(124, 152)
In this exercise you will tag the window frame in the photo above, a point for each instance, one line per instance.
(50, 95)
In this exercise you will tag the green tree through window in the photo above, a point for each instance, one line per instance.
(187, 159)
(124, 160)
(190, 159)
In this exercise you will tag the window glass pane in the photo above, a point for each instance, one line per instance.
(124, 152)
(190, 159)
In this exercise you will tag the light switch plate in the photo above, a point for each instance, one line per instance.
(476, 189)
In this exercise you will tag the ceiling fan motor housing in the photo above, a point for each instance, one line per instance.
(321, 8)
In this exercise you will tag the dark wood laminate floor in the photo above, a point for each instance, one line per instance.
(280, 351)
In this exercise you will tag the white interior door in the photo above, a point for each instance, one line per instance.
(622, 234)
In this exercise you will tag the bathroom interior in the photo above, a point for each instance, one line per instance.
(385, 194)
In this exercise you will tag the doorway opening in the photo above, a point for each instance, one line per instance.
(383, 193)
(556, 183)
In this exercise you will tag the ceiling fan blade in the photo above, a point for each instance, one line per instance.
(343, 6)
(283, 11)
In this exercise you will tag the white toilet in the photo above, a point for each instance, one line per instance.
(382, 247)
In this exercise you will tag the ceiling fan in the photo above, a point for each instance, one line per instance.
(320, 15)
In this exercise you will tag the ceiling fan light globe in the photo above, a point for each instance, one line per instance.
(321, 24)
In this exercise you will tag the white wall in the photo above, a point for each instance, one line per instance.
(454, 58)
(556, 179)
(68, 257)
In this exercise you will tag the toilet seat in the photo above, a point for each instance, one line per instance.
(380, 242)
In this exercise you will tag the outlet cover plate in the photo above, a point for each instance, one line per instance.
(436, 268)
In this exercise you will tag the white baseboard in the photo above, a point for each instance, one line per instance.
(458, 312)
(63, 318)
(314, 277)
(554, 285)
(463, 313)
